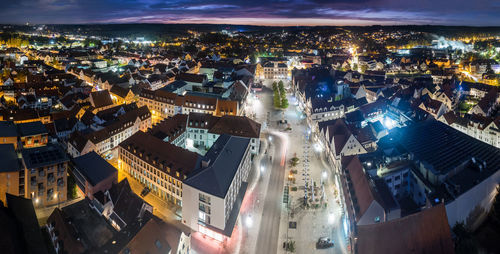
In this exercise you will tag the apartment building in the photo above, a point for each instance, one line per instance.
(159, 165)
(212, 194)
(46, 169)
(203, 130)
(164, 104)
(112, 133)
(275, 69)
(32, 134)
(486, 129)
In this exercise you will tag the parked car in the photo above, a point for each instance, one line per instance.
(145, 191)
(109, 156)
(324, 243)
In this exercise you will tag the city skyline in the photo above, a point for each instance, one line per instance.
(266, 13)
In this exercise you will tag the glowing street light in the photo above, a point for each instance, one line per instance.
(331, 218)
(324, 174)
(262, 168)
(249, 221)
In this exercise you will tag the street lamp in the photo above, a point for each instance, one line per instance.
(249, 221)
(324, 175)
(270, 138)
(262, 169)
(331, 218)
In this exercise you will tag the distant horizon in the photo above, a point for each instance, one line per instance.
(229, 24)
(256, 12)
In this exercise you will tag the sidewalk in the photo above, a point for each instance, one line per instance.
(311, 223)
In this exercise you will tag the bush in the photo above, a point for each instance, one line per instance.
(71, 187)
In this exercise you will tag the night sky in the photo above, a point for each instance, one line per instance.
(254, 12)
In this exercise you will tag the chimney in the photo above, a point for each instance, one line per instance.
(205, 163)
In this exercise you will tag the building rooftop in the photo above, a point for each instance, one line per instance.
(440, 146)
(424, 232)
(150, 239)
(31, 129)
(223, 159)
(44, 156)
(166, 156)
(94, 167)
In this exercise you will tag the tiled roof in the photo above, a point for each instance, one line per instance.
(425, 232)
(167, 157)
(101, 99)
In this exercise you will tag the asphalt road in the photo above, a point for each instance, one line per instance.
(267, 241)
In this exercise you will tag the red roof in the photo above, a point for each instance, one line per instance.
(424, 232)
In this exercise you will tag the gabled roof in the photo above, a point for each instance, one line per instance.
(363, 196)
(240, 126)
(119, 91)
(223, 159)
(171, 128)
(425, 232)
(150, 239)
(126, 203)
(101, 99)
(155, 151)
(338, 132)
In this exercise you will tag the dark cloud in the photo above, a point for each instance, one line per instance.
(279, 12)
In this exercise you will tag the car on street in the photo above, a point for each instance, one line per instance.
(324, 243)
(145, 191)
(109, 156)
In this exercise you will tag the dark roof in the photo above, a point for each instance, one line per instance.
(223, 159)
(80, 221)
(44, 156)
(126, 203)
(8, 129)
(9, 159)
(25, 215)
(171, 128)
(101, 98)
(150, 239)
(441, 146)
(31, 129)
(167, 155)
(424, 232)
(240, 126)
(94, 167)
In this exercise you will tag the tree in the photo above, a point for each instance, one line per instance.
(284, 102)
(277, 100)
